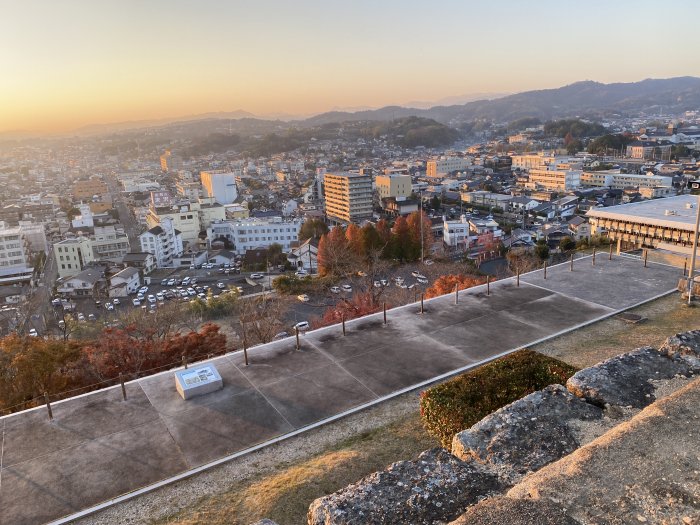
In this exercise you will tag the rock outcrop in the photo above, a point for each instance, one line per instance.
(436, 487)
(684, 347)
(501, 511)
(625, 380)
(527, 434)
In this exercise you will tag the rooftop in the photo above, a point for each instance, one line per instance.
(671, 212)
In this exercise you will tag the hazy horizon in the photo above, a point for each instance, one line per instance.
(77, 63)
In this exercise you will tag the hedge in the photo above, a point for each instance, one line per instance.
(458, 404)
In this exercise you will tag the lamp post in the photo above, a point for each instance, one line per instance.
(421, 226)
(695, 249)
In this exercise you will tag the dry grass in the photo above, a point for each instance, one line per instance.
(285, 496)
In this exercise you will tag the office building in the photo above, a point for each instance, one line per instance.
(397, 186)
(241, 235)
(219, 185)
(445, 165)
(164, 242)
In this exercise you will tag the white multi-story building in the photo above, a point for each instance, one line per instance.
(189, 218)
(106, 245)
(164, 242)
(14, 256)
(248, 234)
(554, 179)
(220, 185)
(455, 233)
(616, 180)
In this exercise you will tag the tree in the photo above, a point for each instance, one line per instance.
(354, 237)
(522, 260)
(447, 283)
(401, 243)
(371, 240)
(312, 229)
(334, 255)
(567, 244)
(542, 251)
(435, 202)
(416, 229)
(360, 304)
(574, 146)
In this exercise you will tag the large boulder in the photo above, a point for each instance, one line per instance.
(624, 380)
(435, 488)
(527, 434)
(684, 347)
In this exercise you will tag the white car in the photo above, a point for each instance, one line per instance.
(301, 273)
(136, 302)
(116, 301)
(302, 326)
(81, 317)
(428, 262)
(152, 299)
(56, 302)
(109, 307)
(143, 290)
(422, 280)
(220, 286)
(256, 276)
(346, 288)
(160, 296)
(171, 282)
(335, 289)
(377, 284)
(33, 332)
(303, 298)
(191, 291)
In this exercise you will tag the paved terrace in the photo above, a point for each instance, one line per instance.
(99, 447)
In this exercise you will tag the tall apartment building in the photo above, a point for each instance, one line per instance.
(190, 218)
(393, 185)
(106, 245)
(109, 245)
(248, 234)
(169, 162)
(220, 185)
(164, 242)
(445, 165)
(348, 197)
(14, 256)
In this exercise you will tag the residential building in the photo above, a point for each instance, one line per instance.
(109, 244)
(660, 223)
(348, 197)
(305, 256)
(395, 207)
(445, 165)
(85, 190)
(125, 282)
(532, 160)
(169, 162)
(143, 261)
(164, 242)
(579, 227)
(619, 181)
(648, 149)
(455, 233)
(72, 255)
(241, 235)
(393, 185)
(80, 284)
(188, 218)
(35, 235)
(219, 185)
(487, 199)
(188, 189)
(15, 265)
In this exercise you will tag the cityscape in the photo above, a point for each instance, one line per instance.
(226, 303)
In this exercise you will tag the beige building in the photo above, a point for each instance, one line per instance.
(348, 197)
(616, 180)
(72, 255)
(445, 165)
(190, 219)
(533, 160)
(85, 190)
(554, 179)
(393, 185)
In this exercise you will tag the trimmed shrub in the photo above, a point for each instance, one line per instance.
(458, 404)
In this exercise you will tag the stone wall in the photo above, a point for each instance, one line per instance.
(523, 437)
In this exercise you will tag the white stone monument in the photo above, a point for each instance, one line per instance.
(198, 381)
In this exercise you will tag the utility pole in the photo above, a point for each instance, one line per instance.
(421, 226)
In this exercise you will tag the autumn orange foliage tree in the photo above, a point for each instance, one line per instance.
(447, 283)
(361, 303)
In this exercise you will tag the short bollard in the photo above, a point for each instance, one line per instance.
(421, 303)
(488, 285)
(456, 294)
(610, 253)
(296, 330)
(545, 269)
(646, 252)
(385, 312)
(571, 264)
(593, 258)
(517, 278)
(48, 405)
(343, 325)
(245, 351)
(121, 382)
(184, 361)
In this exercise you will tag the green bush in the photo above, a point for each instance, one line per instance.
(458, 404)
(293, 285)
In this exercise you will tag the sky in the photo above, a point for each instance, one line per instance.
(65, 64)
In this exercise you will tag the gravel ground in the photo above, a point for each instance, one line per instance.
(582, 348)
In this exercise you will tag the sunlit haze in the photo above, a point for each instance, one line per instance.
(67, 64)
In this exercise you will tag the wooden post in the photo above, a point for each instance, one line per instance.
(610, 253)
(593, 258)
(48, 405)
(646, 252)
(488, 285)
(517, 278)
(343, 325)
(421, 303)
(571, 264)
(384, 312)
(296, 330)
(121, 382)
(456, 294)
(545, 269)
(685, 266)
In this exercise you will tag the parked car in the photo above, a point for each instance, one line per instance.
(335, 289)
(256, 276)
(422, 280)
(281, 335)
(81, 317)
(301, 273)
(91, 317)
(171, 282)
(346, 288)
(56, 302)
(164, 282)
(377, 284)
(151, 299)
(116, 301)
(303, 298)
(428, 262)
(136, 302)
(221, 286)
(160, 296)
(33, 332)
(302, 326)
(109, 306)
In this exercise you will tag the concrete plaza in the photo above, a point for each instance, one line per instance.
(99, 447)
